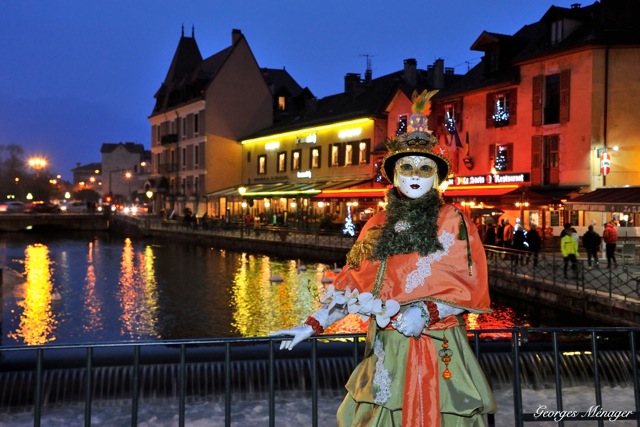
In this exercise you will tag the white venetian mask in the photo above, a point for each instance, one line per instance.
(414, 175)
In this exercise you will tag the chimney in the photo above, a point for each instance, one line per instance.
(235, 36)
(410, 74)
(367, 76)
(438, 74)
(351, 82)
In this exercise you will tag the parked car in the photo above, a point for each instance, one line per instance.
(12, 206)
(75, 207)
(43, 207)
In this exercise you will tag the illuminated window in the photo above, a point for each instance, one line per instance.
(501, 157)
(262, 164)
(282, 162)
(363, 152)
(315, 158)
(501, 108)
(348, 154)
(295, 160)
(335, 155)
(281, 103)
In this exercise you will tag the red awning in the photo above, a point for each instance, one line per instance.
(479, 190)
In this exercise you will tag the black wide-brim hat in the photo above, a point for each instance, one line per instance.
(416, 144)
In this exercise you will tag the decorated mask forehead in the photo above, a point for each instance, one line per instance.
(416, 165)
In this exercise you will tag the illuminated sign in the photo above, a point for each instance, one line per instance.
(349, 133)
(272, 145)
(490, 179)
(309, 139)
(305, 174)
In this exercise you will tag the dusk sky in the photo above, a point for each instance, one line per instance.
(77, 74)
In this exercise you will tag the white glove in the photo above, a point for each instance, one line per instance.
(325, 318)
(446, 310)
(411, 323)
(299, 333)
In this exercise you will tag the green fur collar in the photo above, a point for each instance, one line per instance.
(411, 225)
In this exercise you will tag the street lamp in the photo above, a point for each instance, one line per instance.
(128, 176)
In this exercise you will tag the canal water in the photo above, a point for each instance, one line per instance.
(97, 288)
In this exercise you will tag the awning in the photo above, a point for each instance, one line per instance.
(538, 196)
(608, 199)
(285, 189)
(351, 190)
(479, 190)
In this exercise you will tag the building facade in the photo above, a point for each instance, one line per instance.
(531, 123)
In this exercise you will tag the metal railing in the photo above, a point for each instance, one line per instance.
(622, 281)
(520, 358)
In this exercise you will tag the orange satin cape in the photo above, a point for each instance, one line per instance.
(443, 277)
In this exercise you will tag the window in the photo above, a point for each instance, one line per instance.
(334, 158)
(184, 127)
(363, 152)
(501, 108)
(184, 157)
(450, 116)
(551, 96)
(557, 31)
(402, 125)
(348, 154)
(262, 164)
(501, 157)
(281, 103)
(195, 185)
(196, 125)
(545, 160)
(282, 162)
(295, 160)
(196, 156)
(315, 158)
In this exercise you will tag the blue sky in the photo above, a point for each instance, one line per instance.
(76, 73)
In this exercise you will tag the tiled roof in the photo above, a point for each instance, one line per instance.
(131, 147)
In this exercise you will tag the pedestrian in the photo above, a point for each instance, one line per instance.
(591, 241)
(414, 269)
(490, 235)
(507, 234)
(500, 233)
(533, 243)
(519, 240)
(610, 237)
(569, 249)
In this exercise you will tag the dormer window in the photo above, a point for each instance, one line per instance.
(282, 103)
(557, 31)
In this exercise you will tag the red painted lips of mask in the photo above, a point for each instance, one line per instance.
(414, 186)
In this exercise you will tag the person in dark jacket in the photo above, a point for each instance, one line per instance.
(490, 235)
(519, 240)
(591, 241)
(534, 243)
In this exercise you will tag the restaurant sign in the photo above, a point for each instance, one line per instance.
(490, 179)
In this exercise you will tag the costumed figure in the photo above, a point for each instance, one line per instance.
(414, 269)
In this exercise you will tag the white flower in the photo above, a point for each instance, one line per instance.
(328, 294)
(390, 308)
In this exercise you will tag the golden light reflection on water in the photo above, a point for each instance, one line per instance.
(37, 322)
(261, 307)
(92, 303)
(137, 293)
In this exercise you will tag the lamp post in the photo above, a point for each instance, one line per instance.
(37, 163)
(241, 191)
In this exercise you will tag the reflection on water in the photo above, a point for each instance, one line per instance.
(37, 321)
(121, 289)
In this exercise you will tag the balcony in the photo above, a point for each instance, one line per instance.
(170, 138)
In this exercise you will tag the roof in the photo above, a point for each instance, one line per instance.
(88, 167)
(368, 98)
(608, 199)
(131, 147)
